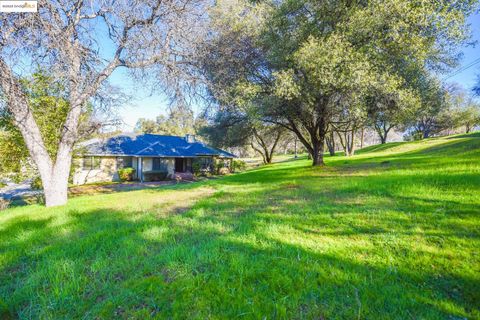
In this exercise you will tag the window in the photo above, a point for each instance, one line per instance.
(206, 163)
(91, 163)
(125, 162)
(159, 164)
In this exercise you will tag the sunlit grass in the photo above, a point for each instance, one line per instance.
(392, 233)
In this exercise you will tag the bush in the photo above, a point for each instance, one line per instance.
(4, 312)
(196, 168)
(219, 165)
(155, 176)
(238, 165)
(36, 184)
(126, 174)
(200, 169)
(223, 171)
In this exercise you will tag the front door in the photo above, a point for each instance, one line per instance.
(179, 167)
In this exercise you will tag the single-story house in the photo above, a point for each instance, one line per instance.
(152, 156)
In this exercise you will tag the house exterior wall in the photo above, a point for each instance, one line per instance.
(108, 171)
(109, 167)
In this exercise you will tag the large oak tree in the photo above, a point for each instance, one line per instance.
(304, 63)
(82, 43)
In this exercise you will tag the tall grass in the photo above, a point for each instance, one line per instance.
(392, 233)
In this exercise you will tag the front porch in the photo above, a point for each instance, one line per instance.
(161, 168)
(94, 169)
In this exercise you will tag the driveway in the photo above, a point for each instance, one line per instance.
(18, 191)
(23, 190)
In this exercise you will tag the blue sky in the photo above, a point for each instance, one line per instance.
(148, 103)
(468, 77)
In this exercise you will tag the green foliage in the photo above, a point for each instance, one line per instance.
(311, 64)
(203, 167)
(238, 165)
(220, 168)
(397, 221)
(50, 108)
(48, 101)
(37, 183)
(476, 88)
(196, 168)
(4, 312)
(126, 174)
(464, 109)
(179, 122)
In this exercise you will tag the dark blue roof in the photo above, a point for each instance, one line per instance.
(150, 145)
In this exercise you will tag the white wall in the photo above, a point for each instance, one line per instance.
(107, 172)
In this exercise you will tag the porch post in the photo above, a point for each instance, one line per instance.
(140, 168)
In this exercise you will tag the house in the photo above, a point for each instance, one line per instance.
(154, 157)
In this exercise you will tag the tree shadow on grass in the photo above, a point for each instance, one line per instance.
(466, 135)
(458, 149)
(228, 257)
(276, 243)
(379, 147)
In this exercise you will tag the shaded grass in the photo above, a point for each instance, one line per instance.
(392, 233)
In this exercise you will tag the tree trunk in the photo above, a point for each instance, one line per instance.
(268, 158)
(54, 175)
(348, 144)
(318, 147)
(382, 132)
(317, 156)
(329, 140)
(362, 137)
(382, 136)
(342, 142)
(56, 189)
(56, 193)
(296, 155)
(351, 147)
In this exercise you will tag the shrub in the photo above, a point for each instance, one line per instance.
(2, 185)
(199, 169)
(4, 312)
(223, 171)
(219, 167)
(155, 176)
(238, 165)
(126, 174)
(36, 183)
(196, 168)
(4, 203)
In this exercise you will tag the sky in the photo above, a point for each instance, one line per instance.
(468, 77)
(149, 103)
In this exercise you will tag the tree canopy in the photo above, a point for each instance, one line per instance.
(311, 66)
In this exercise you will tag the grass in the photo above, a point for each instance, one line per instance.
(391, 233)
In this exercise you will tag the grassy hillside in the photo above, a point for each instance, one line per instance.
(391, 233)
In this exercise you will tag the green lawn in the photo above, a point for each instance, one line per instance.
(391, 233)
